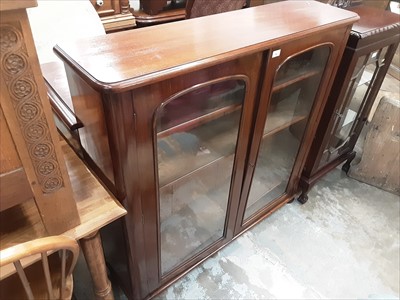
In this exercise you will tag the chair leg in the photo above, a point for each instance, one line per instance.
(93, 251)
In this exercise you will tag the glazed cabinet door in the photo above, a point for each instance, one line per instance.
(357, 98)
(196, 140)
(295, 79)
(199, 136)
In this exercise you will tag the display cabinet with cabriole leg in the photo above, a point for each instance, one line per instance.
(201, 138)
(369, 52)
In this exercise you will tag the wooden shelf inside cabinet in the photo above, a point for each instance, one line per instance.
(284, 83)
(278, 122)
(181, 161)
(188, 125)
(284, 118)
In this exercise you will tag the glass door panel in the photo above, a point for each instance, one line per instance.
(196, 141)
(349, 115)
(293, 94)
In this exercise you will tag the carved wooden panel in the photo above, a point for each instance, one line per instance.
(28, 116)
(23, 91)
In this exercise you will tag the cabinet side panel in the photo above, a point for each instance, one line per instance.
(89, 108)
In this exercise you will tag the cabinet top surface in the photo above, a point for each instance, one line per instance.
(374, 21)
(132, 58)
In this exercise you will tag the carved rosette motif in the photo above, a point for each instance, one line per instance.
(24, 94)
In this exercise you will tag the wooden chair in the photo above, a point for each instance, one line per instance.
(200, 8)
(43, 269)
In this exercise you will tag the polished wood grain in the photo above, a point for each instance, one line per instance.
(55, 77)
(88, 107)
(373, 26)
(113, 66)
(59, 95)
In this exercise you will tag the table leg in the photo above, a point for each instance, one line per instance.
(93, 251)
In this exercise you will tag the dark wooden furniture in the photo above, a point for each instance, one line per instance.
(369, 52)
(201, 8)
(202, 137)
(154, 12)
(114, 14)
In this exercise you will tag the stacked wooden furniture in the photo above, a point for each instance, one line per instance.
(154, 12)
(43, 190)
(202, 137)
(370, 49)
(114, 14)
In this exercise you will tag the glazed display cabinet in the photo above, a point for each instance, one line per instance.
(370, 49)
(203, 135)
